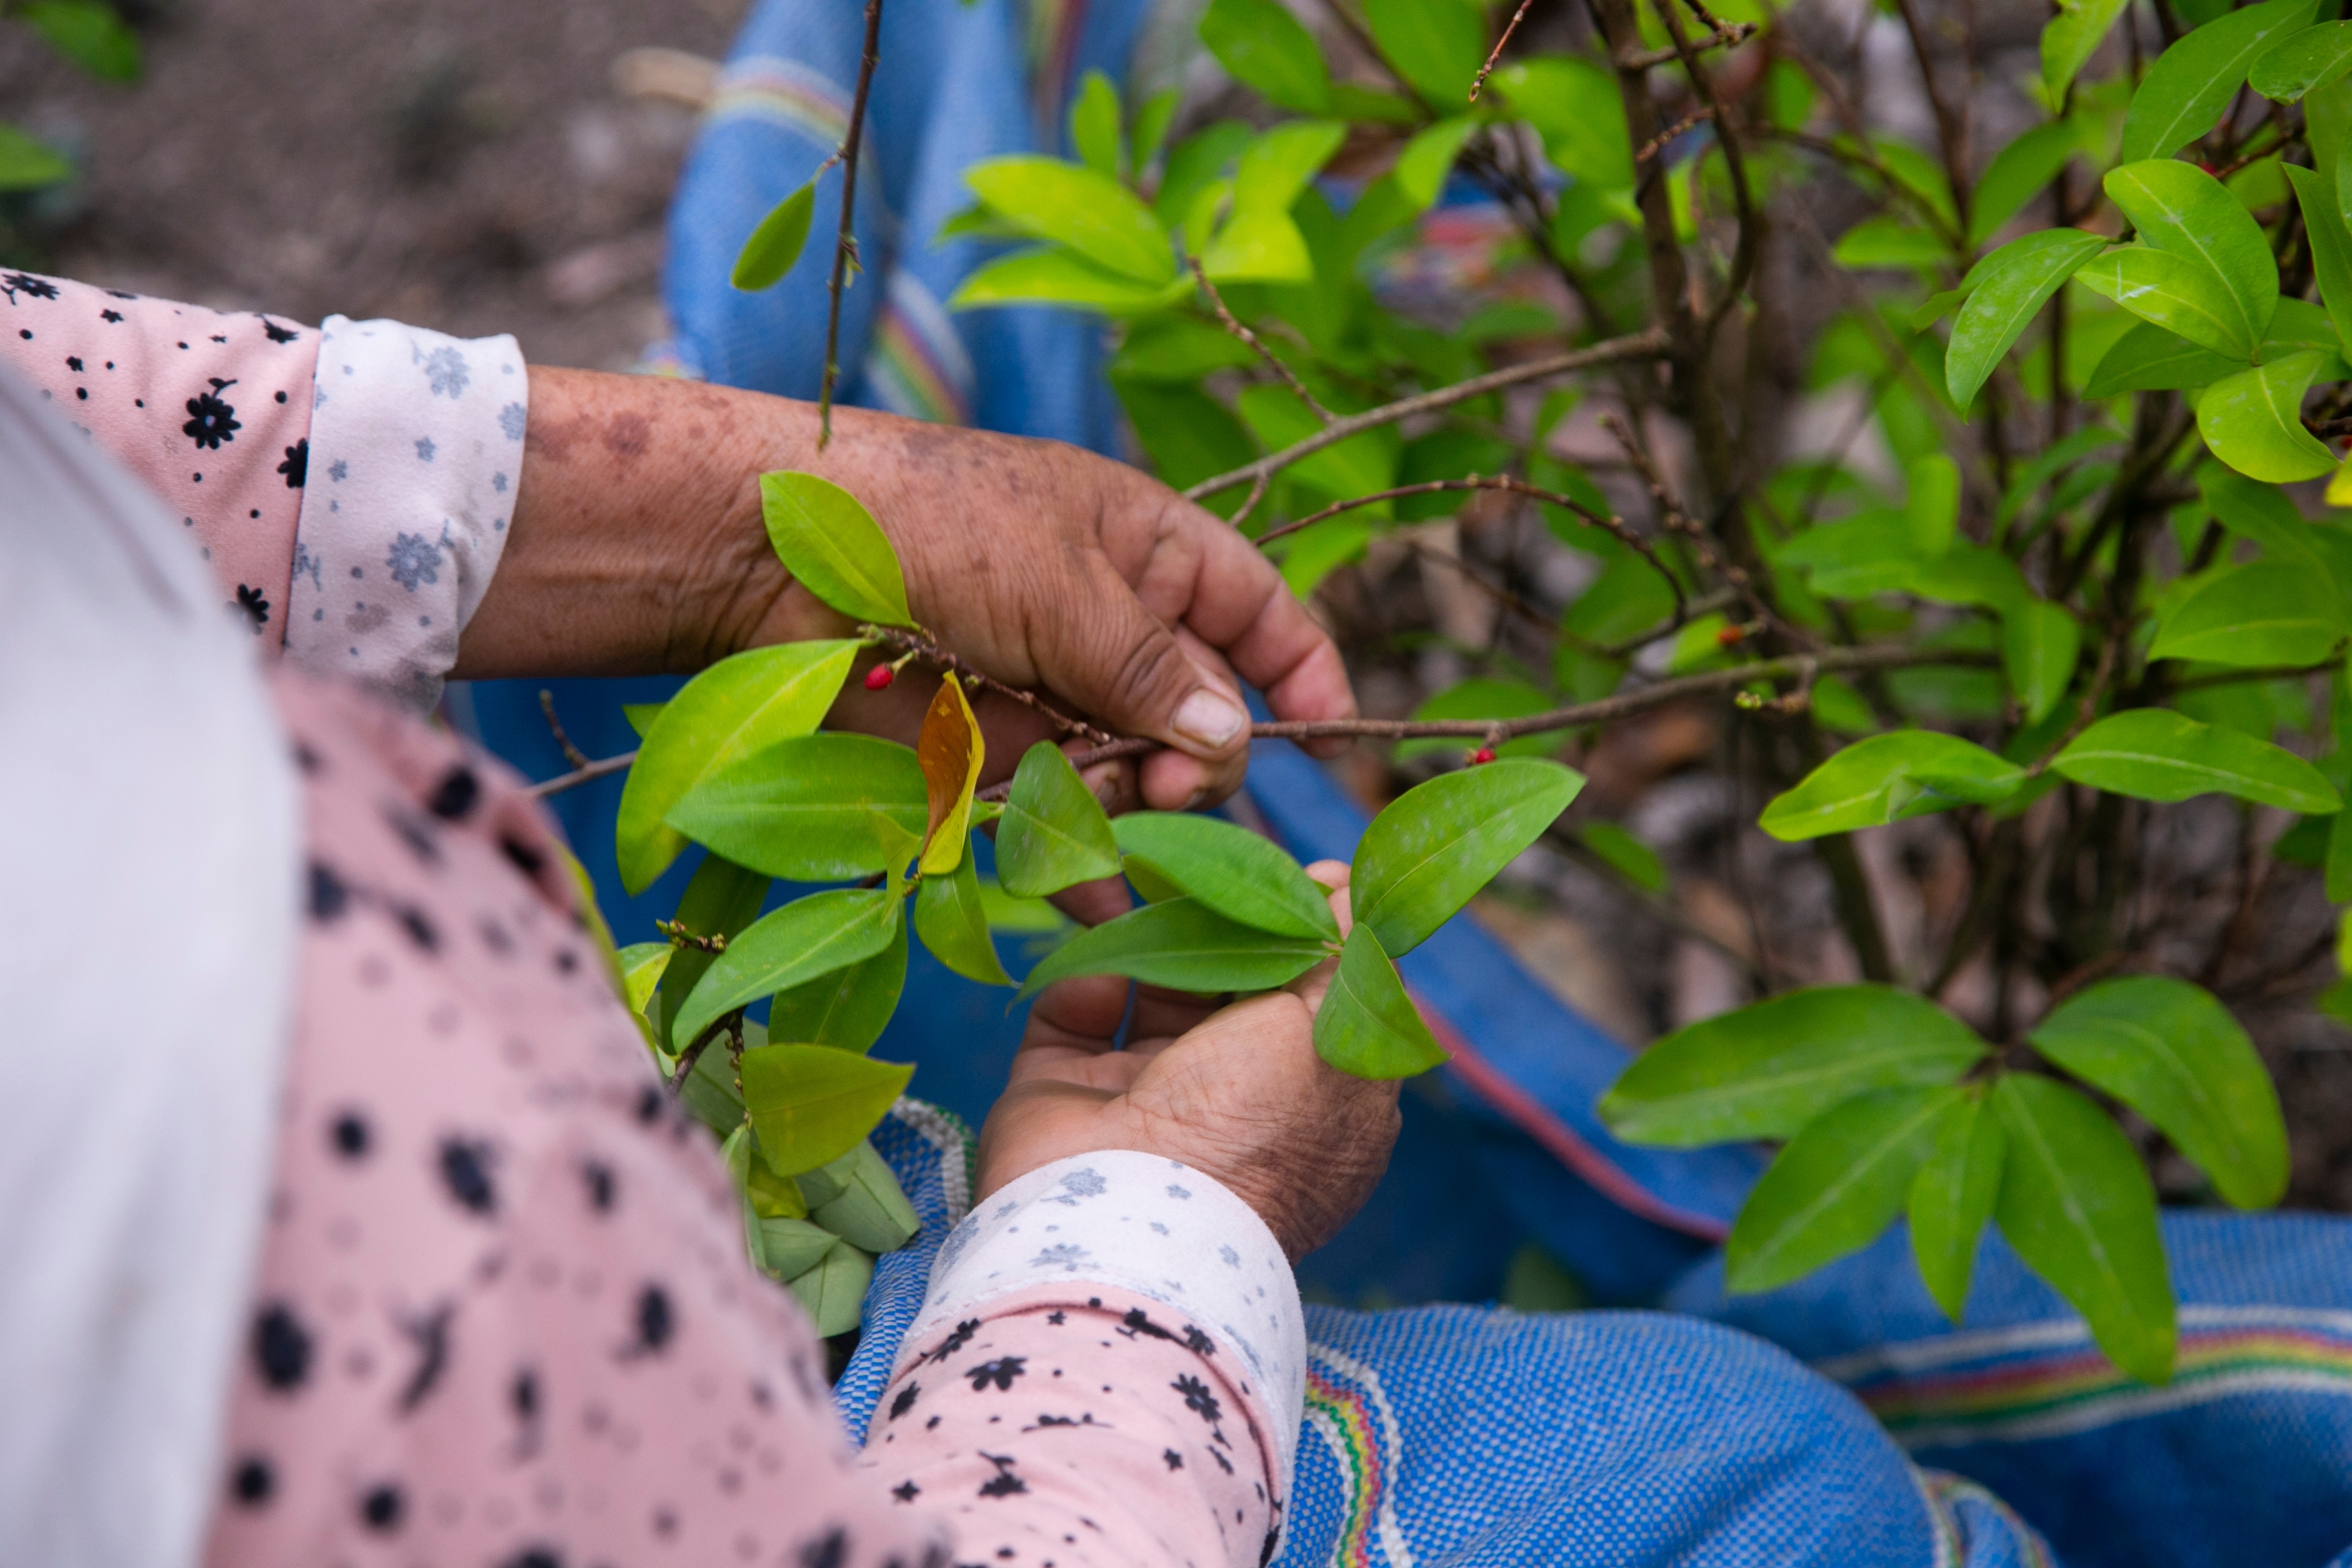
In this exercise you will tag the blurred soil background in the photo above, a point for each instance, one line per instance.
(504, 165)
(473, 165)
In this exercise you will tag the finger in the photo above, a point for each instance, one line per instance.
(1176, 781)
(1198, 569)
(1082, 1014)
(1161, 1014)
(1311, 986)
(1092, 904)
(1122, 664)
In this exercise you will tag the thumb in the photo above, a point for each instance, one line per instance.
(1133, 674)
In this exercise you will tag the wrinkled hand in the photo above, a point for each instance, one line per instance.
(1052, 569)
(1237, 1092)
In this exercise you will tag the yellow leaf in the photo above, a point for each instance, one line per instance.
(950, 751)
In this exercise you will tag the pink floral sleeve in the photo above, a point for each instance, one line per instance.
(212, 411)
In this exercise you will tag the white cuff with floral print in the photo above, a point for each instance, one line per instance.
(1145, 1223)
(415, 447)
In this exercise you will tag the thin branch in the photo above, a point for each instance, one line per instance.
(1616, 526)
(923, 648)
(587, 772)
(1623, 705)
(844, 242)
(1674, 519)
(571, 754)
(1254, 343)
(1724, 37)
(1500, 44)
(1650, 148)
(1650, 344)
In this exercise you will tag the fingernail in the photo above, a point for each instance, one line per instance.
(1209, 719)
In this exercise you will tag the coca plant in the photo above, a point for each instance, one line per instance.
(737, 764)
(2077, 598)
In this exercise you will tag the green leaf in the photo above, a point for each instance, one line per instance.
(2021, 170)
(1440, 842)
(26, 164)
(2070, 41)
(2331, 245)
(1264, 46)
(2265, 612)
(2178, 293)
(1436, 44)
(2153, 754)
(804, 810)
(833, 548)
(2310, 59)
(871, 1213)
(2078, 1208)
(1573, 104)
(1153, 118)
(91, 35)
(953, 925)
(2173, 1053)
(846, 1009)
(1888, 241)
(2264, 514)
(720, 899)
(1953, 1197)
(2040, 643)
(1428, 158)
(1367, 1024)
(1086, 210)
(1838, 1184)
(790, 1248)
(1259, 246)
(2338, 870)
(1274, 168)
(2010, 286)
(1230, 869)
(1183, 944)
(1628, 856)
(735, 708)
(1767, 1070)
(2254, 421)
(1060, 278)
(641, 964)
(641, 715)
(834, 1291)
(777, 242)
(1932, 509)
(2193, 82)
(810, 1105)
(1054, 834)
(2149, 359)
(1094, 125)
(783, 948)
(1902, 774)
(2178, 207)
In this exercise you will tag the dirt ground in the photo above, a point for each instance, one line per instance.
(464, 164)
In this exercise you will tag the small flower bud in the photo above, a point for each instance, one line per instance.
(1730, 636)
(880, 676)
(1483, 754)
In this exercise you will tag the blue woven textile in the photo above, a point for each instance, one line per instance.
(1456, 1434)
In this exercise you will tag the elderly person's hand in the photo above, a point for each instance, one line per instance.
(637, 545)
(1237, 1092)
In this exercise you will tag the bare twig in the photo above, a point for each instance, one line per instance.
(1724, 37)
(1623, 705)
(1649, 150)
(587, 772)
(1254, 343)
(1674, 519)
(1648, 344)
(844, 242)
(923, 648)
(571, 754)
(1496, 56)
